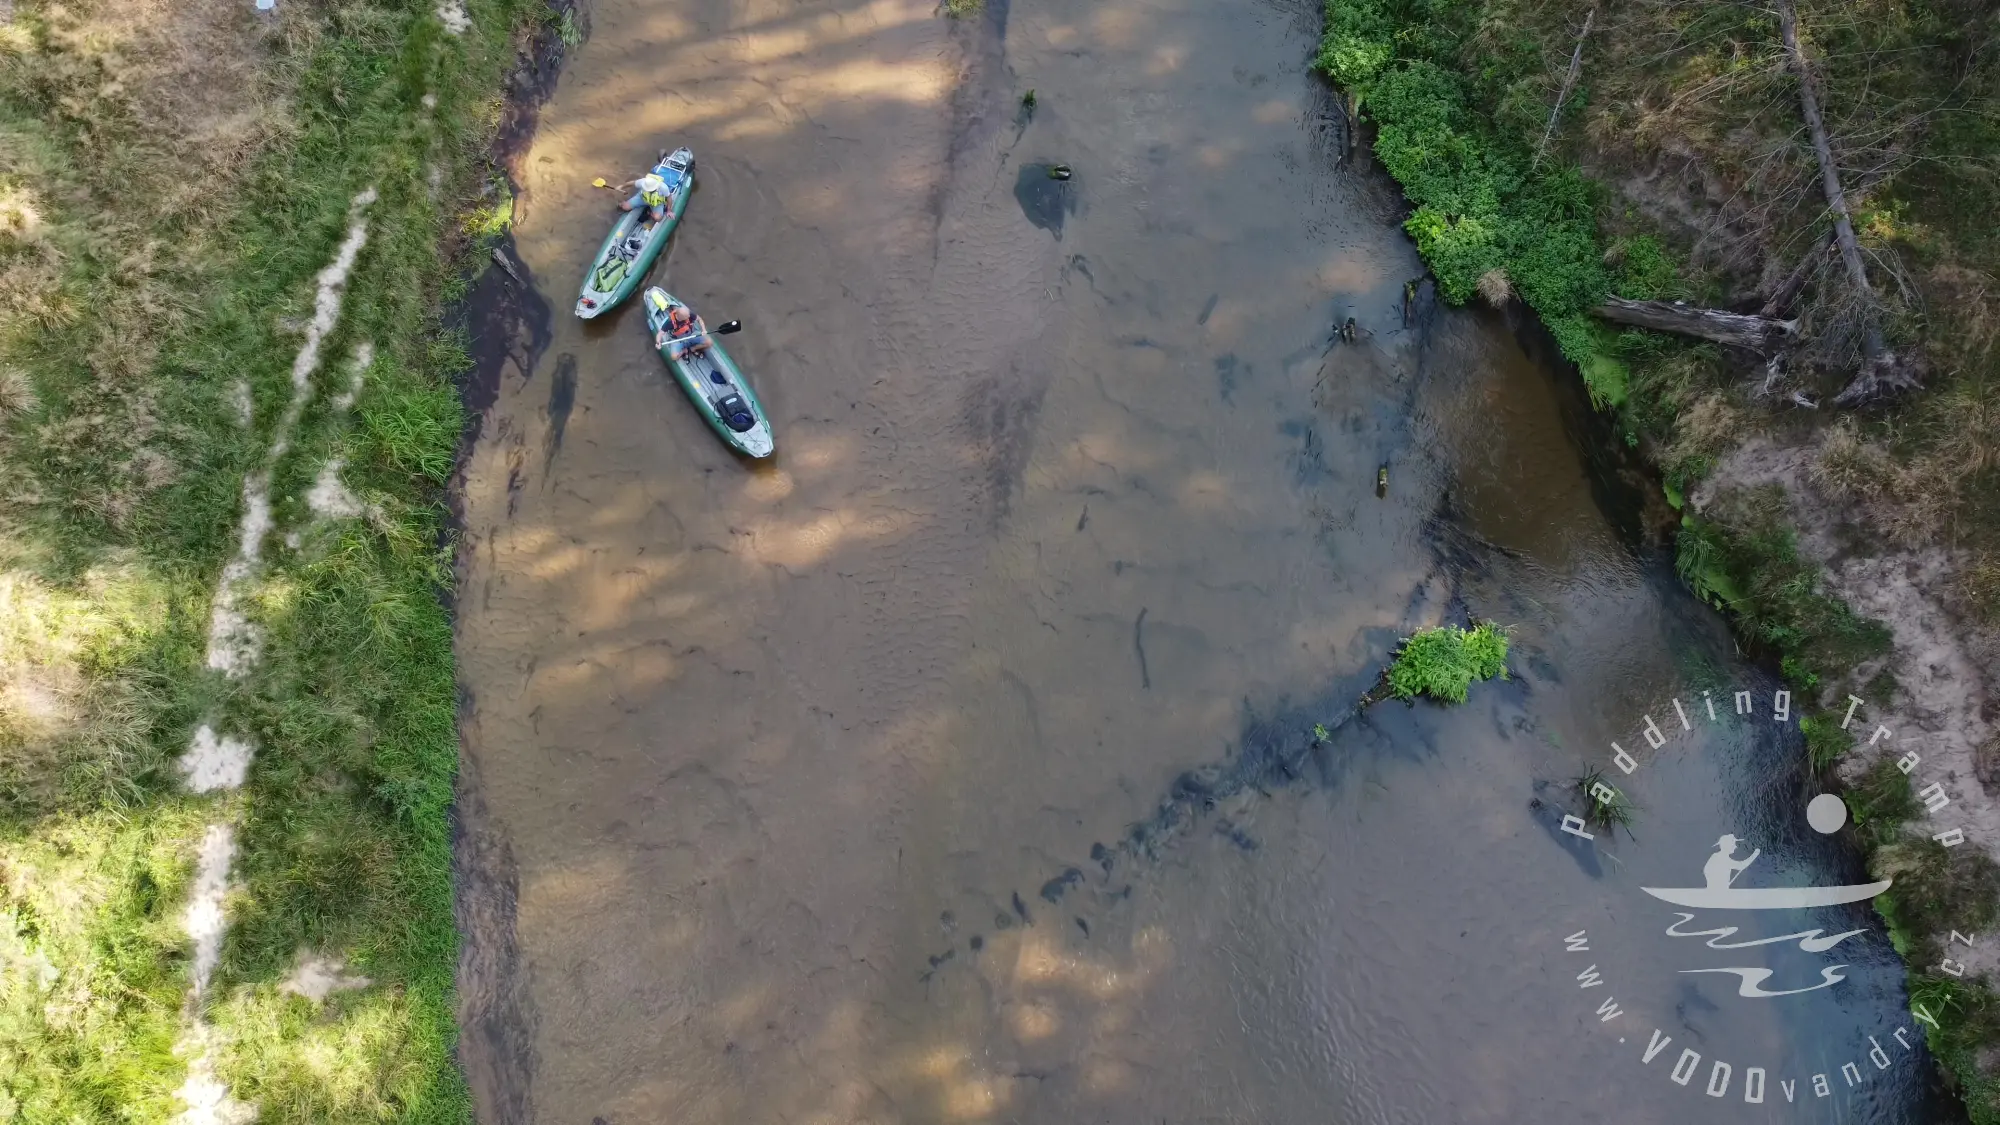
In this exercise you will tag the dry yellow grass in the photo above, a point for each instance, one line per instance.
(64, 729)
(1709, 426)
(175, 99)
(1848, 466)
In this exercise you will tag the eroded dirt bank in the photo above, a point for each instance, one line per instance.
(844, 788)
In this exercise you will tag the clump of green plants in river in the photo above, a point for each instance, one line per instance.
(1609, 807)
(1445, 661)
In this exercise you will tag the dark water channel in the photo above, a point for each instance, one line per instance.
(961, 765)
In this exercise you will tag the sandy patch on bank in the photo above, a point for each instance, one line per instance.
(318, 977)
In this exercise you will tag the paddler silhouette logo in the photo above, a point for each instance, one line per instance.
(1719, 892)
(1729, 910)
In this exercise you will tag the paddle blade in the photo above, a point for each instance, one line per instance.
(599, 182)
(732, 326)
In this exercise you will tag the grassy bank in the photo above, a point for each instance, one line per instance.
(1676, 169)
(1664, 155)
(175, 178)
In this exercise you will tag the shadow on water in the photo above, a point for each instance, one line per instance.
(1044, 199)
(505, 317)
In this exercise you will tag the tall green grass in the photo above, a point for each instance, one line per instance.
(115, 545)
(1741, 557)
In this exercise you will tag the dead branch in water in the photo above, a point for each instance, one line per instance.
(1739, 330)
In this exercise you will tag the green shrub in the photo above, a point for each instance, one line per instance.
(1443, 662)
(1479, 206)
(1645, 272)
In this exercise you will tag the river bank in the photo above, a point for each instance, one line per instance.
(226, 687)
(1854, 546)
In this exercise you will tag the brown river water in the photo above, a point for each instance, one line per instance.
(959, 765)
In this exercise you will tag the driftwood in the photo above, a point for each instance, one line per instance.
(500, 257)
(1738, 330)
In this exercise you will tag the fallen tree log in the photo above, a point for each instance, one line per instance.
(1737, 330)
(1829, 176)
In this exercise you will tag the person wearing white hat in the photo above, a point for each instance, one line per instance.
(654, 192)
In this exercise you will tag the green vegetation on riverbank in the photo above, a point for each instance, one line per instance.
(1564, 152)
(1564, 209)
(1740, 556)
(176, 178)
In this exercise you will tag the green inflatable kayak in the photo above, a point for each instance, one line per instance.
(634, 243)
(710, 378)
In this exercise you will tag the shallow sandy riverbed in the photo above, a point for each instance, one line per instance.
(806, 791)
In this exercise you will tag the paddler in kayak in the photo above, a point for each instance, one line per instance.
(684, 332)
(654, 191)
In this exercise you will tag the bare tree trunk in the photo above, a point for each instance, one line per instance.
(1569, 82)
(1829, 176)
(1788, 289)
(1737, 330)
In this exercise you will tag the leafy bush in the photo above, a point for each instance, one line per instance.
(1357, 44)
(1443, 662)
(1645, 272)
(1479, 204)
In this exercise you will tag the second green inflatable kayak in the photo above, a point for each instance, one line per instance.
(709, 377)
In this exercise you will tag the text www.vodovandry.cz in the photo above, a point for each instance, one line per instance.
(1721, 1073)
